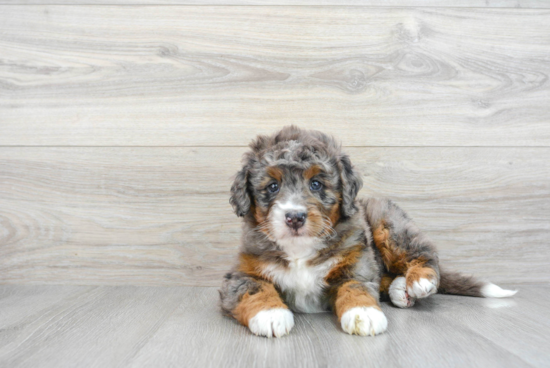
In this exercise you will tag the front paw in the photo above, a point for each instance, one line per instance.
(399, 295)
(421, 288)
(364, 321)
(272, 322)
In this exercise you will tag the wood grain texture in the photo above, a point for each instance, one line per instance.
(182, 326)
(526, 4)
(160, 216)
(209, 76)
(101, 327)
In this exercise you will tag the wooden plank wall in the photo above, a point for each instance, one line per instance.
(122, 125)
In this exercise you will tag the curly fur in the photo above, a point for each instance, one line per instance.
(337, 259)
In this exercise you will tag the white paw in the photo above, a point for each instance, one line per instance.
(399, 295)
(272, 322)
(364, 321)
(422, 288)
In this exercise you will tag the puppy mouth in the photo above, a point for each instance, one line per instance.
(297, 232)
(282, 231)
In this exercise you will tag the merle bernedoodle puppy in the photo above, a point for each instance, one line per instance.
(308, 245)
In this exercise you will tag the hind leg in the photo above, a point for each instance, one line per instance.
(404, 291)
(399, 295)
(394, 288)
(404, 250)
(421, 280)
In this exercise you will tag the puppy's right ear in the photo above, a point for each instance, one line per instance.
(351, 184)
(240, 199)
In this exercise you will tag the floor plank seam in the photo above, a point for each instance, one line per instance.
(499, 347)
(73, 299)
(150, 334)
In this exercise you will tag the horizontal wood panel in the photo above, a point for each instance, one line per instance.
(383, 3)
(207, 76)
(160, 216)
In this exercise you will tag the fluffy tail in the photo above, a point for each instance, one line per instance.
(457, 284)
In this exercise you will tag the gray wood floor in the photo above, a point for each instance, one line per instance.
(105, 326)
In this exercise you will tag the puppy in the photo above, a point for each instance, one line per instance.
(309, 246)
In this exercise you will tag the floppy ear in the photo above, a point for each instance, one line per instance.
(240, 199)
(351, 184)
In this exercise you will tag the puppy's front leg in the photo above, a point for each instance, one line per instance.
(256, 304)
(358, 310)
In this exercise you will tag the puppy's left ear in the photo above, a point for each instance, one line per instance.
(351, 184)
(240, 199)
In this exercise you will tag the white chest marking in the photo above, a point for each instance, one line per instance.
(302, 284)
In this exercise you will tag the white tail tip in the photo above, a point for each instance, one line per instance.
(490, 290)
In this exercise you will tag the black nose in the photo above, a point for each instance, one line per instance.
(295, 220)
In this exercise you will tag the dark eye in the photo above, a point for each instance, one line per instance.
(315, 185)
(273, 188)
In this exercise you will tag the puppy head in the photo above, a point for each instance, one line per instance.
(295, 183)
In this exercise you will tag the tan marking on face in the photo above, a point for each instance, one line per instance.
(311, 171)
(275, 172)
(252, 304)
(349, 297)
(346, 263)
(259, 215)
(314, 223)
(317, 214)
(334, 214)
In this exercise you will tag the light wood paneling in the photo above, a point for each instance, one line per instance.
(207, 76)
(188, 87)
(160, 216)
(377, 3)
(183, 327)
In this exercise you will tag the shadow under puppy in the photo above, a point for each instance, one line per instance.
(309, 246)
